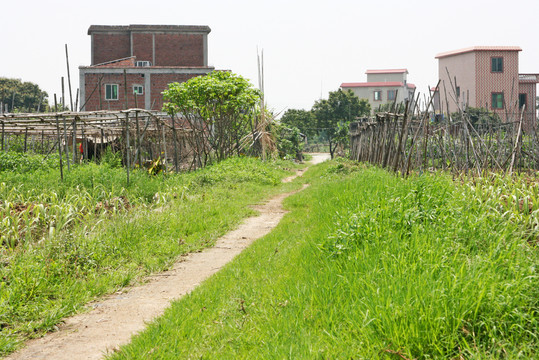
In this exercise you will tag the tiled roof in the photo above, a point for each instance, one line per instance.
(387, 71)
(136, 27)
(528, 78)
(478, 48)
(125, 62)
(376, 84)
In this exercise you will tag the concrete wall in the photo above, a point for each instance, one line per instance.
(463, 68)
(367, 92)
(387, 77)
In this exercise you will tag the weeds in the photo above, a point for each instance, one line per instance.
(65, 243)
(369, 265)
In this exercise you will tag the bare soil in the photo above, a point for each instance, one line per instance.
(113, 319)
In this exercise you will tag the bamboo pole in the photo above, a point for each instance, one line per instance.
(175, 144)
(401, 136)
(26, 139)
(74, 141)
(58, 138)
(127, 155)
(517, 142)
(66, 144)
(125, 90)
(69, 79)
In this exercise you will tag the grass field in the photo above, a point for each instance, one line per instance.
(65, 243)
(368, 265)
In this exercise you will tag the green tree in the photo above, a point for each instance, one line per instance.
(289, 142)
(22, 96)
(220, 108)
(304, 120)
(478, 117)
(336, 113)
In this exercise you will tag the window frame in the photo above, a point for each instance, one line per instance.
(111, 92)
(141, 87)
(495, 102)
(379, 92)
(494, 69)
(525, 95)
(394, 93)
(143, 63)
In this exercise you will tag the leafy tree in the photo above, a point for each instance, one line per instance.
(22, 96)
(219, 108)
(388, 107)
(289, 141)
(478, 117)
(304, 120)
(336, 113)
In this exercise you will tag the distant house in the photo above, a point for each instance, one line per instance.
(383, 87)
(151, 56)
(486, 77)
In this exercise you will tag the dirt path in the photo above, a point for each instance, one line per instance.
(115, 318)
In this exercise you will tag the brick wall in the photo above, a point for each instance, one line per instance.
(143, 47)
(488, 82)
(529, 117)
(108, 47)
(160, 83)
(170, 49)
(179, 50)
(92, 100)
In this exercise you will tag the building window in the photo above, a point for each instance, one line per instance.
(496, 64)
(111, 91)
(143, 63)
(138, 89)
(497, 100)
(522, 100)
(458, 91)
(391, 94)
(378, 95)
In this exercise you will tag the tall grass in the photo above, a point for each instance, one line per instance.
(367, 265)
(91, 234)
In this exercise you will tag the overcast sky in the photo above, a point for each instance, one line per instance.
(310, 46)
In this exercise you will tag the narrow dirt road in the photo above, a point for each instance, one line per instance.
(115, 318)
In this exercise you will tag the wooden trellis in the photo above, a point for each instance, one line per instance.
(402, 143)
(141, 135)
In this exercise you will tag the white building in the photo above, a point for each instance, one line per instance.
(383, 87)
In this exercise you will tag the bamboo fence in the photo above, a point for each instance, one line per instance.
(405, 142)
(142, 136)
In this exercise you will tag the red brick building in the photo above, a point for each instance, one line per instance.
(140, 61)
(487, 77)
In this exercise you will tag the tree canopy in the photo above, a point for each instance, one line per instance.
(304, 120)
(22, 96)
(335, 114)
(219, 108)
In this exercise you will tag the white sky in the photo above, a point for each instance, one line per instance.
(310, 46)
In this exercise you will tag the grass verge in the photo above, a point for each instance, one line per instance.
(366, 266)
(92, 234)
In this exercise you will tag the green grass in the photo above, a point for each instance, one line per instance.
(366, 265)
(92, 234)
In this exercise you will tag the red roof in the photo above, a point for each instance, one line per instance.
(478, 48)
(387, 71)
(376, 84)
(125, 62)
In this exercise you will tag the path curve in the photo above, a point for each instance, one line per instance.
(117, 317)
